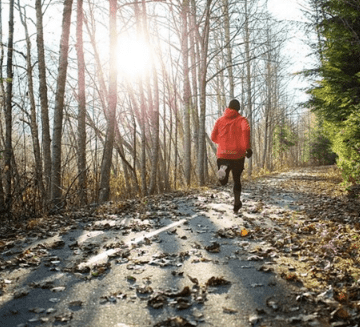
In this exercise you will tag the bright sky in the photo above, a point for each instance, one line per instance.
(285, 9)
(290, 10)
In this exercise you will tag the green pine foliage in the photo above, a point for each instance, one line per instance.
(283, 140)
(319, 150)
(345, 138)
(336, 97)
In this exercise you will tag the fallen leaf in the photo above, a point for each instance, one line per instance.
(182, 304)
(185, 292)
(230, 311)
(157, 301)
(254, 258)
(144, 290)
(175, 322)
(58, 289)
(57, 245)
(214, 248)
(131, 279)
(217, 281)
(77, 303)
(194, 280)
(244, 232)
(341, 313)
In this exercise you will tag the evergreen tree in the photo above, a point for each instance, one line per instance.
(336, 98)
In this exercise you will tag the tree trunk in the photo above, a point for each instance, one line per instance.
(142, 119)
(2, 106)
(203, 73)
(194, 44)
(220, 78)
(186, 91)
(56, 193)
(248, 76)
(33, 122)
(8, 111)
(45, 126)
(229, 62)
(155, 134)
(109, 142)
(268, 97)
(265, 139)
(82, 107)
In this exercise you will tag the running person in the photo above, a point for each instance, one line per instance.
(232, 135)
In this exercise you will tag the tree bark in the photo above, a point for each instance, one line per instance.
(248, 76)
(81, 106)
(186, 90)
(143, 110)
(229, 62)
(45, 125)
(33, 121)
(155, 134)
(2, 105)
(56, 192)
(194, 44)
(8, 155)
(110, 133)
(269, 95)
(203, 73)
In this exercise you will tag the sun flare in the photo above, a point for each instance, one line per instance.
(134, 56)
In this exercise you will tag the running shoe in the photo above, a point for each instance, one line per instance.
(222, 172)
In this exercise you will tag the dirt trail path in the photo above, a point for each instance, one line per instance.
(183, 260)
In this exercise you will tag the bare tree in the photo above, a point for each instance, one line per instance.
(2, 105)
(45, 125)
(186, 90)
(33, 120)
(110, 132)
(82, 106)
(219, 53)
(204, 41)
(248, 77)
(229, 60)
(8, 110)
(56, 192)
(155, 134)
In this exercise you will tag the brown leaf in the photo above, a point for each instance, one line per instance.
(214, 248)
(144, 290)
(341, 313)
(175, 322)
(76, 303)
(194, 280)
(182, 304)
(158, 301)
(217, 281)
(230, 311)
(185, 292)
(64, 318)
(57, 245)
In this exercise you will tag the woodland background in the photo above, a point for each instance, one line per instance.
(79, 127)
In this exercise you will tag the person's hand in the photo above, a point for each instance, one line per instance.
(249, 153)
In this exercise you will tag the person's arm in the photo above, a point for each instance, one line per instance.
(214, 133)
(247, 140)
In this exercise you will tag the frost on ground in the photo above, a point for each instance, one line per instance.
(290, 257)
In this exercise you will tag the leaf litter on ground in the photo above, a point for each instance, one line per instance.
(316, 245)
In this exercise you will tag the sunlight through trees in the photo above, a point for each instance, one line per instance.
(115, 100)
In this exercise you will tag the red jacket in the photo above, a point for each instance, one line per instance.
(232, 134)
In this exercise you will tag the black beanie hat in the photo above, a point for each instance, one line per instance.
(234, 104)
